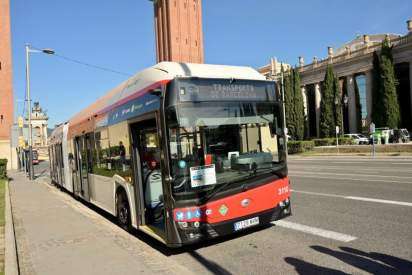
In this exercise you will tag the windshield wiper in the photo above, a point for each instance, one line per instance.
(273, 171)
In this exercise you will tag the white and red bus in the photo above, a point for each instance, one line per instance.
(183, 152)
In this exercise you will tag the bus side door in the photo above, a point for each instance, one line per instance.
(82, 156)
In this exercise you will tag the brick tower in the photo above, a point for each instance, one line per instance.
(179, 35)
(6, 90)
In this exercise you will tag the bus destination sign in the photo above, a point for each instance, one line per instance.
(225, 90)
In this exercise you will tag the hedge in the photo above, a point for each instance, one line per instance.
(332, 141)
(3, 168)
(295, 147)
(346, 141)
(367, 149)
(322, 141)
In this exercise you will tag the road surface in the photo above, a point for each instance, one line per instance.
(350, 215)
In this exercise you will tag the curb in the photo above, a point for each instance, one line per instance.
(11, 259)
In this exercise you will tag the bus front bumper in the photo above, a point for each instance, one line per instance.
(207, 231)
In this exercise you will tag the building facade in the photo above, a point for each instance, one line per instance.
(6, 89)
(39, 122)
(179, 35)
(353, 64)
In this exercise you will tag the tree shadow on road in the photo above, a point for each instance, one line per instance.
(398, 264)
(372, 262)
(303, 267)
(208, 264)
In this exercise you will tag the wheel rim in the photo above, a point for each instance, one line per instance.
(124, 215)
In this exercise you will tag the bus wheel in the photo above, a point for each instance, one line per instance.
(123, 212)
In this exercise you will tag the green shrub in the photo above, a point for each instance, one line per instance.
(346, 141)
(324, 141)
(332, 141)
(296, 147)
(3, 168)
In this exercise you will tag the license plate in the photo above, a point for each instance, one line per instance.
(246, 223)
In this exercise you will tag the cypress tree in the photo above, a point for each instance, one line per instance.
(391, 114)
(327, 120)
(377, 96)
(337, 104)
(288, 82)
(299, 114)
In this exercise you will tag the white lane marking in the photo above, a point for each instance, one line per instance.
(403, 203)
(348, 168)
(401, 163)
(315, 231)
(317, 194)
(359, 175)
(346, 178)
(351, 158)
(346, 162)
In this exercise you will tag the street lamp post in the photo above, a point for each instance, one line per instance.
(345, 105)
(285, 129)
(28, 51)
(31, 174)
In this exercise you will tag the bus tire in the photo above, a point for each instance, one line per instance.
(123, 211)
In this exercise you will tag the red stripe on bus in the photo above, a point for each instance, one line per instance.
(134, 95)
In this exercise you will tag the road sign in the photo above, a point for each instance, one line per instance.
(20, 122)
(22, 142)
(372, 128)
(337, 129)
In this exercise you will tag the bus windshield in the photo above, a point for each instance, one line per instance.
(216, 143)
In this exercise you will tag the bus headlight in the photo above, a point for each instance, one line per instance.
(285, 203)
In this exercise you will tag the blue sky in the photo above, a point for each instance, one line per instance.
(120, 35)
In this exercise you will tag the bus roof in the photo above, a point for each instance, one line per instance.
(164, 71)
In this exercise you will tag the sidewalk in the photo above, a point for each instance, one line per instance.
(58, 235)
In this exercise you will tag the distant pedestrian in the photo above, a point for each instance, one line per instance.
(122, 152)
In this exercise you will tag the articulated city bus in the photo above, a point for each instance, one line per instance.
(182, 152)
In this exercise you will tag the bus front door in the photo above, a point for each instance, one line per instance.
(149, 190)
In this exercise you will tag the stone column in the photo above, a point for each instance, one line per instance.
(42, 135)
(317, 106)
(41, 130)
(368, 84)
(305, 111)
(410, 79)
(45, 134)
(351, 104)
(305, 101)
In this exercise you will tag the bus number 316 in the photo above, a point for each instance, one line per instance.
(283, 190)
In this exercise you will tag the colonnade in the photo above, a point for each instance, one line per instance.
(347, 90)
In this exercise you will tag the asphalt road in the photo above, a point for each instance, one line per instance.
(350, 215)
